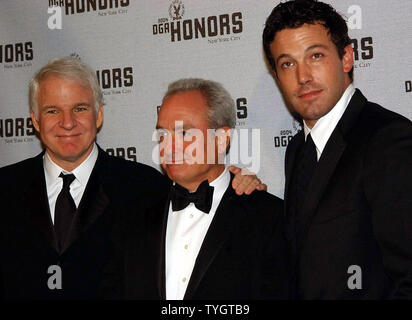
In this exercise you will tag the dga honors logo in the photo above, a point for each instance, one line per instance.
(285, 135)
(115, 81)
(219, 28)
(16, 130)
(408, 86)
(362, 52)
(176, 10)
(75, 55)
(362, 47)
(128, 153)
(241, 111)
(102, 7)
(16, 55)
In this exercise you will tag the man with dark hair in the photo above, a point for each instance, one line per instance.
(202, 241)
(349, 172)
(294, 14)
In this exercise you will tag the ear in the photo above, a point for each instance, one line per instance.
(99, 118)
(347, 59)
(34, 120)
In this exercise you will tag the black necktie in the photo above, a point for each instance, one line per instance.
(64, 210)
(302, 175)
(202, 198)
(306, 168)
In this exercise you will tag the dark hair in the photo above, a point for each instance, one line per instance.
(295, 13)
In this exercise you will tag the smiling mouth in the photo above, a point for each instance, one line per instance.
(310, 94)
(173, 162)
(69, 136)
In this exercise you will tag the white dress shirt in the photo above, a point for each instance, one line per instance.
(324, 127)
(186, 230)
(54, 183)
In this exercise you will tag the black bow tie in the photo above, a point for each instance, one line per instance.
(202, 198)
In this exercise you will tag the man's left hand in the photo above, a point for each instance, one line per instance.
(245, 181)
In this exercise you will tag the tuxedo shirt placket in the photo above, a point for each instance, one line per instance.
(186, 231)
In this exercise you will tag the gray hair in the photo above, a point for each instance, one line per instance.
(68, 68)
(221, 105)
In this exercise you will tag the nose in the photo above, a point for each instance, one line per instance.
(174, 148)
(67, 120)
(304, 74)
(168, 142)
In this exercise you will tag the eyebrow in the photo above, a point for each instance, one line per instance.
(48, 107)
(315, 46)
(76, 105)
(82, 104)
(184, 127)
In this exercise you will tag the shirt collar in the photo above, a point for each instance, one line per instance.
(324, 127)
(82, 172)
(220, 185)
(222, 181)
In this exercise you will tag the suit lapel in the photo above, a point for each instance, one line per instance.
(92, 204)
(290, 160)
(327, 164)
(219, 231)
(36, 203)
(321, 176)
(292, 153)
(158, 227)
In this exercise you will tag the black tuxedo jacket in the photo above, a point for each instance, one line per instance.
(243, 255)
(358, 208)
(27, 241)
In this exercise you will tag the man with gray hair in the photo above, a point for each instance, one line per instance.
(58, 207)
(202, 240)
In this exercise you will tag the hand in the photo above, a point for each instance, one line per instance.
(245, 181)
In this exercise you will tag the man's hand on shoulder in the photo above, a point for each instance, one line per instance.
(245, 181)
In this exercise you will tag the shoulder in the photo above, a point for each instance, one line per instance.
(383, 125)
(256, 199)
(261, 202)
(21, 168)
(372, 117)
(382, 136)
(260, 211)
(263, 197)
(134, 175)
(17, 175)
(127, 167)
(380, 116)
